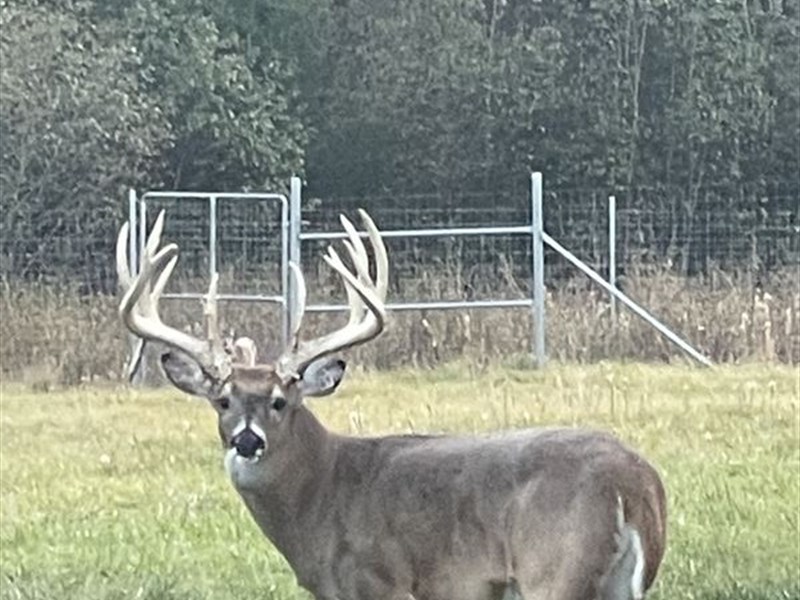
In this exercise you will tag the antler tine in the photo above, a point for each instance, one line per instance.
(354, 302)
(139, 305)
(366, 294)
(365, 299)
(147, 297)
(125, 282)
(152, 301)
(154, 239)
(211, 313)
(358, 254)
(162, 280)
(298, 308)
(354, 245)
(381, 257)
(123, 270)
(152, 266)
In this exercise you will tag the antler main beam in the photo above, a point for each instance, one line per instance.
(139, 305)
(366, 298)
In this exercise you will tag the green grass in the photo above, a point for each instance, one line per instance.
(113, 493)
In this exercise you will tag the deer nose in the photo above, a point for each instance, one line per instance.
(248, 443)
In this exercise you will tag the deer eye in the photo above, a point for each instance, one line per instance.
(224, 403)
(278, 403)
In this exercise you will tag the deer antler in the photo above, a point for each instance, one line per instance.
(139, 305)
(365, 297)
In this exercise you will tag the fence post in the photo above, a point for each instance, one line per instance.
(295, 224)
(142, 226)
(537, 253)
(212, 236)
(612, 252)
(133, 258)
(136, 366)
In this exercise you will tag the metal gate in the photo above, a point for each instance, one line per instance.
(523, 229)
(137, 216)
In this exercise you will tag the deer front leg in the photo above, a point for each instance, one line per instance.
(505, 590)
(512, 591)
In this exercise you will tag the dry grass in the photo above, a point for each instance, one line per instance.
(52, 336)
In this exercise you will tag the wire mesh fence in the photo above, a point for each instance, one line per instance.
(247, 236)
(439, 268)
(688, 233)
(719, 265)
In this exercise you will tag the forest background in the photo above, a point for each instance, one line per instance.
(688, 111)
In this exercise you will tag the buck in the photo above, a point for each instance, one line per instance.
(562, 514)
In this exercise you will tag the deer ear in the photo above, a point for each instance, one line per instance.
(322, 377)
(186, 374)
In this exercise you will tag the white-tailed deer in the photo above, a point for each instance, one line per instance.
(561, 514)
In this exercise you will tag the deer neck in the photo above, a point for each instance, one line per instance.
(289, 496)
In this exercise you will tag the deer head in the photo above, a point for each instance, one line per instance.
(254, 401)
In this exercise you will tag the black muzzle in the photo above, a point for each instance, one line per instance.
(248, 443)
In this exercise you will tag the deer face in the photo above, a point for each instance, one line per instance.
(254, 404)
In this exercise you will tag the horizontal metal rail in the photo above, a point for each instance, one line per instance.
(207, 195)
(439, 305)
(421, 233)
(227, 297)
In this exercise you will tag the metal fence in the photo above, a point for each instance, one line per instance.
(746, 227)
(198, 227)
(291, 228)
(457, 251)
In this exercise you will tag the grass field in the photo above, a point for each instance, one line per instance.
(112, 493)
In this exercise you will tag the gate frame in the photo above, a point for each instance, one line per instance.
(298, 236)
(137, 217)
(536, 302)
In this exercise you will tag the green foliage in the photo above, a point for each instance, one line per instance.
(366, 97)
(96, 99)
(457, 94)
(112, 493)
(427, 96)
(232, 125)
(72, 115)
(717, 112)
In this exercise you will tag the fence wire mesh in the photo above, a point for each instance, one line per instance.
(690, 234)
(720, 266)
(248, 240)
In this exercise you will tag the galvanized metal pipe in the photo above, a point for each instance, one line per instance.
(271, 299)
(205, 195)
(295, 256)
(612, 252)
(537, 266)
(663, 329)
(133, 257)
(212, 236)
(425, 233)
(142, 227)
(213, 199)
(438, 305)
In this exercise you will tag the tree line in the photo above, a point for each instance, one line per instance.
(376, 97)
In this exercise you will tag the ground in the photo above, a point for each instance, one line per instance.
(109, 493)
